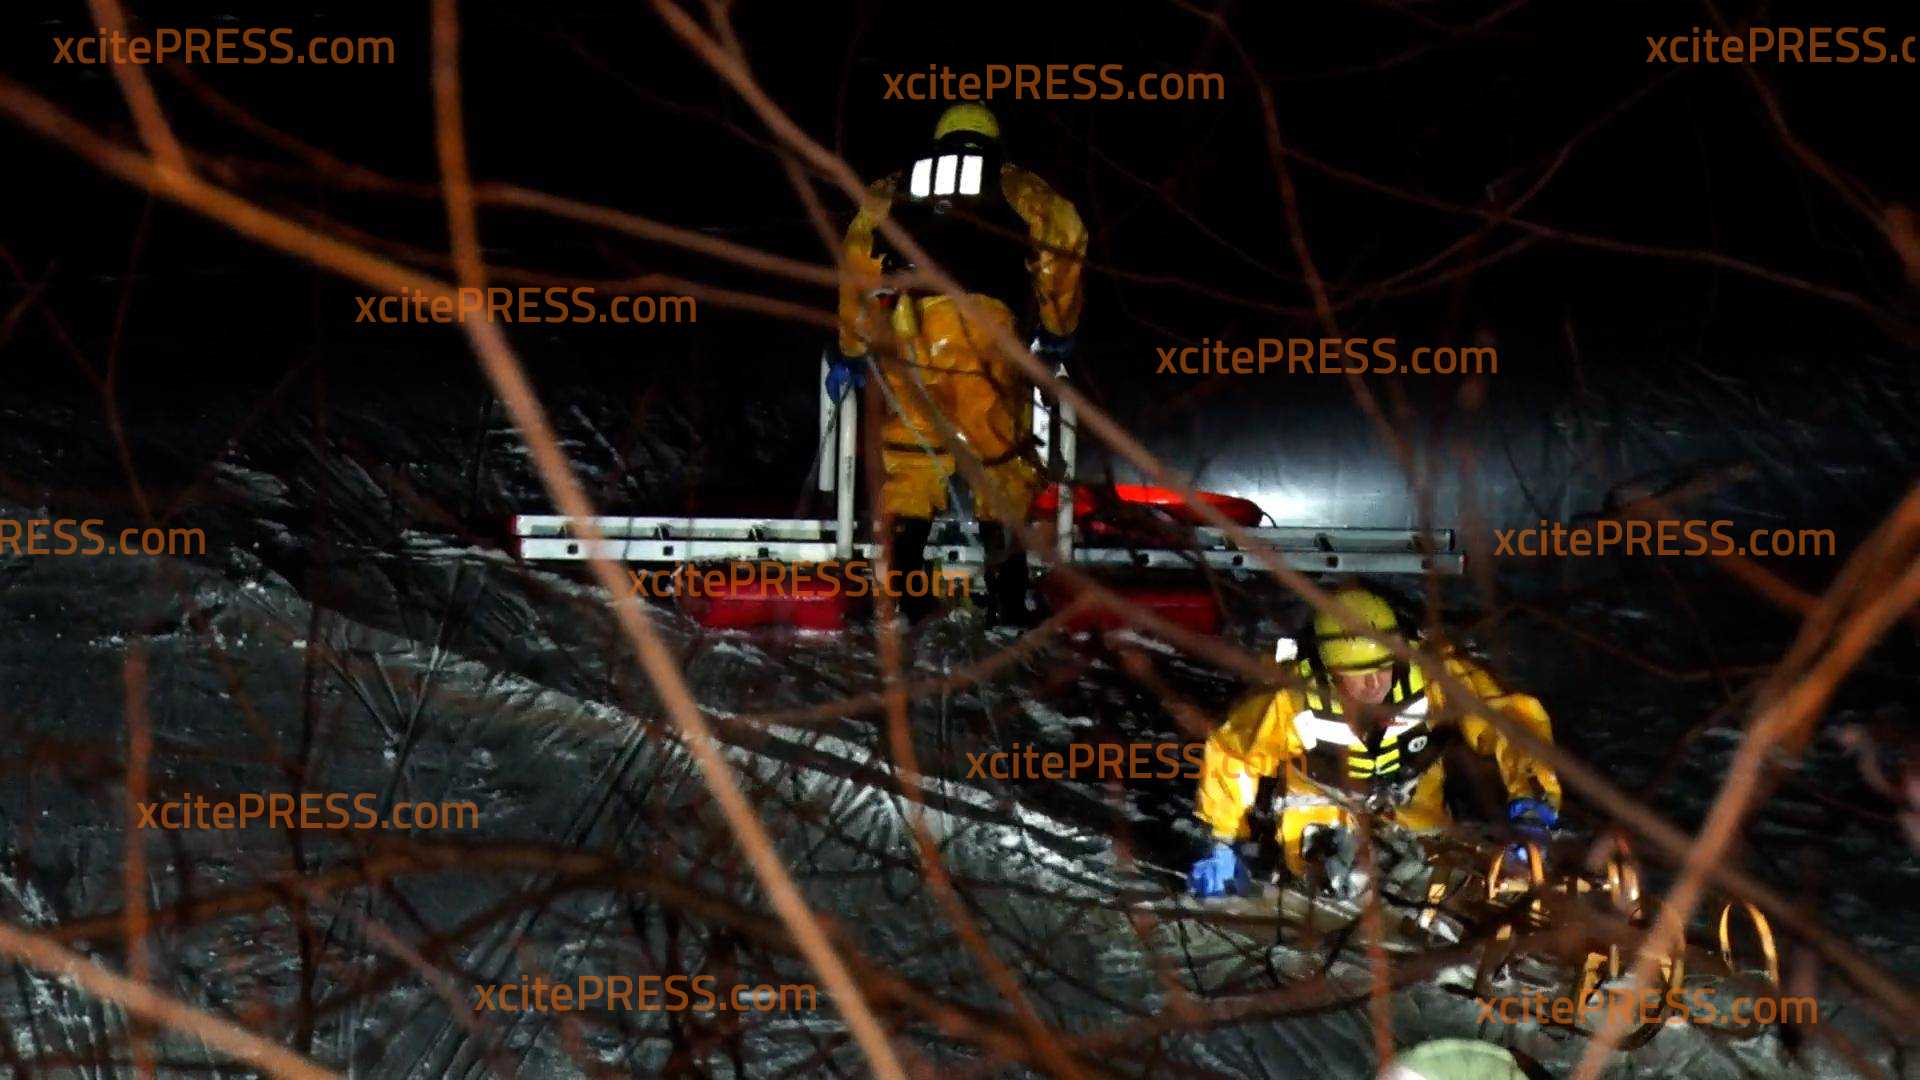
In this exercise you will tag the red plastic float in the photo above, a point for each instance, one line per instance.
(1090, 502)
(1190, 607)
(743, 596)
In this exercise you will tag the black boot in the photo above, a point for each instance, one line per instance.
(916, 601)
(1006, 576)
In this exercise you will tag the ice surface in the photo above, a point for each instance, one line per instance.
(418, 661)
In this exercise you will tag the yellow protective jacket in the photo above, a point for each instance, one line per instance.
(1301, 737)
(1054, 262)
(946, 362)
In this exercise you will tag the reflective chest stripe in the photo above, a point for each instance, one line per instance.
(1315, 728)
(1364, 762)
(947, 174)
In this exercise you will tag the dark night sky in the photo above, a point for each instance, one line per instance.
(597, 102)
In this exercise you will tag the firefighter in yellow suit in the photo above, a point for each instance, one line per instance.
(1016, 248)
(1365, 729)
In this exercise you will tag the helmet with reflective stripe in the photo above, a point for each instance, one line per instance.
(1340, 645)
(969, 116)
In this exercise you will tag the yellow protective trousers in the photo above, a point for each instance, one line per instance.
(949, 363)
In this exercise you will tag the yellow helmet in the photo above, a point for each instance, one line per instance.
(970, 116)
(1341, 649)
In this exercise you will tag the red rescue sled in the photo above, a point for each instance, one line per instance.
(1100, 503)
(726, 599)
(1136, 513)
(1191, 607)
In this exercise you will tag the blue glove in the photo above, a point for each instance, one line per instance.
(1053, 349)
(1533, 820)
(1219, 873)
(842, 373)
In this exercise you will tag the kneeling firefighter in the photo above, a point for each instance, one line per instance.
(1016, 249)
(1365, 730)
